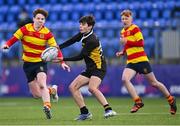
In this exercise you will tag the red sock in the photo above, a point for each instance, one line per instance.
(50, 90)
(170, 99)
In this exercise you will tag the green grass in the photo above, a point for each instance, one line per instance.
(28, 111)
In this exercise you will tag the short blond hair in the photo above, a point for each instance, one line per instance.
(126, 13)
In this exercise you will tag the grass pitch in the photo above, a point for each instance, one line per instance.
(28, 111)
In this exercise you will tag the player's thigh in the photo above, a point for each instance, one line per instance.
(128, 74)
(150, 77)
(94, 82)
(79, 81)
(41, 79)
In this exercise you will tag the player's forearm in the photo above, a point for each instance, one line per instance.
(66, 44)
(75, 58)
(71, 41)
(11, 41)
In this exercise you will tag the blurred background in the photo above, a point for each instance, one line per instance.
(158, 20)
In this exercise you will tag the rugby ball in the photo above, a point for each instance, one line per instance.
(49, 54)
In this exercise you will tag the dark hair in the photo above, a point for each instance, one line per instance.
(40, 11)
(89, 19)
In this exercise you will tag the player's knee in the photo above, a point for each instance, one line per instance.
(42, 87)
(71, 88)
(124, 80)
(92, 90)
(154, 84)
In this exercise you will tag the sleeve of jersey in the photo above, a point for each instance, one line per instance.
(51, 41)
(139, 38)
(17, 36)
(11, 41)
(75, 58)
(19, 33)
(71, 41)
(85, 51)
(60, 55)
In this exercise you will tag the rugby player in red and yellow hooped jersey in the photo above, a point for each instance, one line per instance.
(35, 37)
(134, 44)
(137, 62)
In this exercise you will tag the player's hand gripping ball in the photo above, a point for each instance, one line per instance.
(49, 54)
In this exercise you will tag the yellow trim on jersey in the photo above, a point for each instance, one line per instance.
(96, 57)
(133, 50)
(41, 42)
(30, 59)
(139, 59)
(131, 38)
(32, 50)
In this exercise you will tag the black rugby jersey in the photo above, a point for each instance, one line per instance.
(91, 50)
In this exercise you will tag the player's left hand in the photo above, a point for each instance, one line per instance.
(65, 67)
(5, 47)
(119, 54)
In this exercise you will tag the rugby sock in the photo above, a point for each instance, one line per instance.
(84, 110)
(170, 99)
(107, 107)
(51, 90)
(137, 100)
(48, 104)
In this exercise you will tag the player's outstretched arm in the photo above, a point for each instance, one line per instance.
(9, 43)
(72, 40)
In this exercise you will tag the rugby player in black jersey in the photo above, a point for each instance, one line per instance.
(95, 67)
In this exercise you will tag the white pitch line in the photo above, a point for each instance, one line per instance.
(8, 104)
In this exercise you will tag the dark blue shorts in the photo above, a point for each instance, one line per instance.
(141, 67)
(32, 69)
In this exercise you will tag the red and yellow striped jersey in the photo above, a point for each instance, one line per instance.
(134, 47)
(34, 42)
